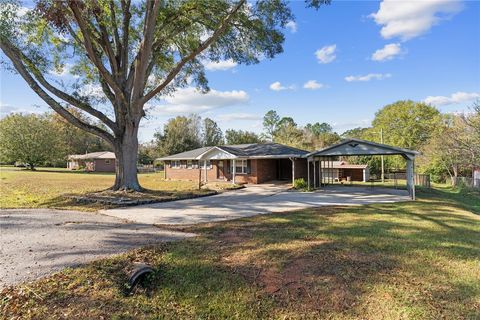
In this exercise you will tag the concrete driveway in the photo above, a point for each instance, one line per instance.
(253, 200)
(37, 242)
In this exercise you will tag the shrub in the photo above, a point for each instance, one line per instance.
(300, 184)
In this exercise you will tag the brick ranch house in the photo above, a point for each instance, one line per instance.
(244, 163)
(252, 163)
(103, 161)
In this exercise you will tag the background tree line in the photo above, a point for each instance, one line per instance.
(45, 140)
(449, 143)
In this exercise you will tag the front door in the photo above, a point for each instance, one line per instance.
(220, 173)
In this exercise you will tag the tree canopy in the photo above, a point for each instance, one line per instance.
(212, 134)
(29, 139)
(407, 124)
(241, 137)
(179, 134)
(126, 53)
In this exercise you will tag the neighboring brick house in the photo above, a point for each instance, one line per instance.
(103, 161)
(246, 163)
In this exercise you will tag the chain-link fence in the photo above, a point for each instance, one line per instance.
(466, 181)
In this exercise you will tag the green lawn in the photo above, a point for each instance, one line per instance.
(410, 260)
(47, 187)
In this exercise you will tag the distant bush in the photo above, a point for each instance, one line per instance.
(300, 184)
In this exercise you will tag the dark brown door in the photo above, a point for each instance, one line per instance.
(220, 168)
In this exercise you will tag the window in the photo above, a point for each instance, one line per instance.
(208, 163)
(175, 164)
(195, 164)
(107, 161)
(241, 166)
(189, 164)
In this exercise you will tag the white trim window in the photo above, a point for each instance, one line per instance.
(209, 164)
(189, 164)
(241, 166)
(175, 164)
(107, 161)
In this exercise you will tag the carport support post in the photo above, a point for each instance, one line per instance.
(314, 175)
(205, 170)
(308, 172)
(234, 171)
(410, 178)
(293, 170)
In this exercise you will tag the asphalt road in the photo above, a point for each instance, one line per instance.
(37, 242)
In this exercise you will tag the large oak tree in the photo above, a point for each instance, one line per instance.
(131, 52)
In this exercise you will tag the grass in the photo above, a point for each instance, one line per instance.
(48, 187)
(409, 260)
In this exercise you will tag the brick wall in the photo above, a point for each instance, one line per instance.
(190, 174)
(104, 165)
(301, 169)
(261, 170)
(266, 170)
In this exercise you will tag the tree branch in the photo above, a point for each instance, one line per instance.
(23, 71)
(92, 52)
(105, 43)
(145, 51)
(125, 36)
(59, 93)
(116, 36)
(173, 73)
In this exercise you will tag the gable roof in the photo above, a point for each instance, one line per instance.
(251, 151)
(187, 155)
(93, 155)
(359, 147)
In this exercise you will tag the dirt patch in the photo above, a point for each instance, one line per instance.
(322, 276)
(235, 236)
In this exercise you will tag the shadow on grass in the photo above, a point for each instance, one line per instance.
(402, 260)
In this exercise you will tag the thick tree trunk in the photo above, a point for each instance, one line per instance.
(126, 152)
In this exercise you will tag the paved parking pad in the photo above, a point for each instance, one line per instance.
(253, 200)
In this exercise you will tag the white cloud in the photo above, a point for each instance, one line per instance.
(277, 86)
(342, 126)
(313, 85)
(368, 77)
(220, 65)
(292, 26)
(410, 19)
(92, 90)
(388, 52)
(237, 116)
(326, 54)
(7, 109)
(62, 71)
(23, 11)
(458, 97)
(191, 100)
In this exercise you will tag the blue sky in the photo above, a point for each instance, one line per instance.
(353, 57)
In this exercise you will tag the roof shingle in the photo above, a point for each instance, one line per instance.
(253, 150)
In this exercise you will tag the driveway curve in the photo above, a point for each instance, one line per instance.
(251, 201)
(37, 242)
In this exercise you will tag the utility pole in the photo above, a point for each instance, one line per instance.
(383, 168)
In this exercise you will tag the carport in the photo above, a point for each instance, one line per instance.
(322, 160)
